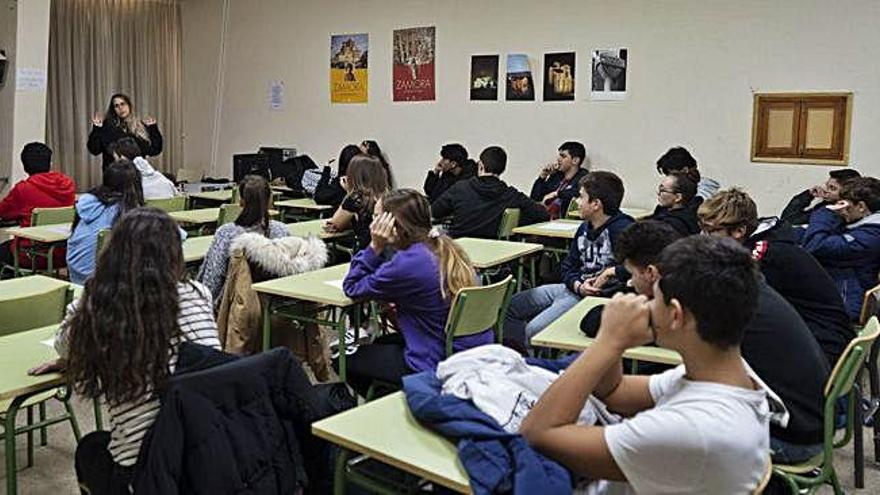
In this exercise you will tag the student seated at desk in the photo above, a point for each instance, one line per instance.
(42, 189)
(477, 204)
(845, 238)
(678, 159)
(677, 203)
(154, 184)
(365, 182)
(256, 196)
(557, 184)
(590, 253)
(454, 166)
(801, 206)
(97, 210)
(328, 190)
(777, 343)
(698, 428)
(788, 268)
(370, 147)
(420, 279)
(119, 341)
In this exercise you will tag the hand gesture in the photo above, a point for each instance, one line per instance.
(547, 170)
(149, 121)
(382, 232)
(328, 226)
(626, 322)
(97, 119)
(550, 197)
(438, 167)
(45, 368)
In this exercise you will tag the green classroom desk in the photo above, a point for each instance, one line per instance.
(565, 334)
(385, 430)
(195, 248)
(306, 206)
(310, 287)
(632, 211)
(201, 216)
(566, 230)
(221, 196)
(50, 235)
(489, 253)
(316, 228)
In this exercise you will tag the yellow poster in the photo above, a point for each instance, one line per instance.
(348, 68)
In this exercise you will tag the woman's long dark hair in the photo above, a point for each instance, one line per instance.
(372, 148)
(350, 151)
(367, 179)
(120, 333)
(121, 185)
(256, 195)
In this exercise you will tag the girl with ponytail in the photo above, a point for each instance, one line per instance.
(421, 278)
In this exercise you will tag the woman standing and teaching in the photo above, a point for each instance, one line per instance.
(120, 121)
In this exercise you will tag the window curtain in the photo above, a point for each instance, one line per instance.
(101, 47)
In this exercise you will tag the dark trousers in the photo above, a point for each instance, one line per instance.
(95, 469)
(382, 360)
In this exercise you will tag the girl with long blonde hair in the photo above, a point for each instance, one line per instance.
(425, 272)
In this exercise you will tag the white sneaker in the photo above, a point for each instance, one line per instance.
(350, 344)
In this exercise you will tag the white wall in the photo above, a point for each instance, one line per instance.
(694, 66)
(8, 22)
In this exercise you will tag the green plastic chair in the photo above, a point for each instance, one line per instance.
(509, 221)
(20, 314)
(228, 213)
(813, 473)
(39, 218)
(50, 216)
(177, 203)
(475, 309)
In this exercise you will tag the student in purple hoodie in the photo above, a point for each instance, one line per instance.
(420, 279)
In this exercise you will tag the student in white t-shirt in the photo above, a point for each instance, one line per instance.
(702, 427)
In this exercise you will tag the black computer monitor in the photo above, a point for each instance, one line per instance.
(250, 163)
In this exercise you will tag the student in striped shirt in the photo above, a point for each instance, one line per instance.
(119, 341)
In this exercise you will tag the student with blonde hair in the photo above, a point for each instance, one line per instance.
(421, 278)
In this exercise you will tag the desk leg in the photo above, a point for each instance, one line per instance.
(15, 263)
(9, 437)
(266, 301)
(339, 480)
(519, 275)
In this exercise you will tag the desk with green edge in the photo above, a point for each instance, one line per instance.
(323, 287)
(632, 211)
(316, 228)
(489, 253)
(306, 205)
(565, 334)
(408, 446)
(557, 229)
(201, 216)
(221, 196)
(195, 248)
(50, 235)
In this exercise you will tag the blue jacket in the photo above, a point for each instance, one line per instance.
(850, 253)
(591, 249)
(496, 461)
(83, 242)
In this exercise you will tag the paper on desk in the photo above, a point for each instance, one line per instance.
(561, 226)
(58, 229)
(334, 283)
(49, 342)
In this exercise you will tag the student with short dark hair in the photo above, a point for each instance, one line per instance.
(712, 411)
(119, 342)
(590, 253)
(845, 238)
(777, 344)
(477, 204)
(42, 189)
(454, 166)
(99, 209)
(677, 203)
(558, 182)
(679, 159)
(802, 205)
(154, 184)
(255, 198)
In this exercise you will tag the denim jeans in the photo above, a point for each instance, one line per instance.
(791, 453)
(532, 310)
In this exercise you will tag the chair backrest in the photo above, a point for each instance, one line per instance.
(228, 213)
(103, 237)
(177, 203)
(34, 310)
(509, 221)
(475, 309)
(236, 196)
(188, 175)
(572, 208)
(50, 216)
(870, 305)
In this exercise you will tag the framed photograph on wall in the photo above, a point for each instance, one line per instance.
(609, 75)
(559, 76)
(484, 77)
(413, 64)
(520, 85)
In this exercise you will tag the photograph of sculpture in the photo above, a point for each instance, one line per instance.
(559, 76)
(520, 85)
(609, 74)
(484, 77)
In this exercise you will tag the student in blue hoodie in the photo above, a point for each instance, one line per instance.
(98, 209)
(590, 253)
(845, 239)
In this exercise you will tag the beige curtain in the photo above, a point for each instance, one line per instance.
(101, 47)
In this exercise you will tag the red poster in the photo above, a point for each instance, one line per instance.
(413, 73)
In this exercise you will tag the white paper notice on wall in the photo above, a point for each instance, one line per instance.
(30, 79)
(276, 95)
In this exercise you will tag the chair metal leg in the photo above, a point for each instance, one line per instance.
(30, 436)
(9, 438)
(267, 322)
(339, 481)
(858, 443)
(44, 431)
(74, 423)
(874, 382)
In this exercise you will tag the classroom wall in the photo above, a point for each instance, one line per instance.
(693, 67)
(8, 21)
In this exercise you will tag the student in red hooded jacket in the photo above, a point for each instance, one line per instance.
(42, 189)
